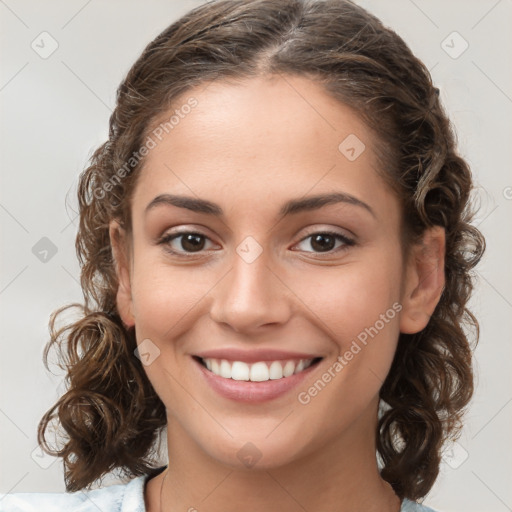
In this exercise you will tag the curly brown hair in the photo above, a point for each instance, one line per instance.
(110, 412)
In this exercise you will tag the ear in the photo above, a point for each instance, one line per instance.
(120, 249)
(424, 281)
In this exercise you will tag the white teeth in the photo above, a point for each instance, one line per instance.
(288, 369)
(239, 371)
(276, 370)
(256, 372)
(225, 369)
(259, 372)
(300, 366)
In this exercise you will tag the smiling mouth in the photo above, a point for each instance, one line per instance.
(260, 371)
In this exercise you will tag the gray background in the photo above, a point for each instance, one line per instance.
(54, 114)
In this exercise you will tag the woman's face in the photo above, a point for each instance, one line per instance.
(254, 286)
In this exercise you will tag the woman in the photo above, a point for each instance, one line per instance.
(247, 136)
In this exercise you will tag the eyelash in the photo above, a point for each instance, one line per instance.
(166, 239)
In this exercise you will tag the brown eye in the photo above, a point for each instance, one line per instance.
(183, 243)
(192, 242)
(325, 241)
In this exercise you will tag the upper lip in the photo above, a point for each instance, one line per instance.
(253, 356)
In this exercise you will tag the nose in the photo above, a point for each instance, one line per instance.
(250, 296)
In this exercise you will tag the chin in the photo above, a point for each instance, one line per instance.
(256, 453)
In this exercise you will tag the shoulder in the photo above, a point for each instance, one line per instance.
(412, 506)
(127, 497)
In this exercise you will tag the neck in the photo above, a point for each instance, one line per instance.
(339, 475)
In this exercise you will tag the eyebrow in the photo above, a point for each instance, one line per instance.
(290, 207)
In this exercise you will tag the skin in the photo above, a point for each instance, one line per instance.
(249, 147)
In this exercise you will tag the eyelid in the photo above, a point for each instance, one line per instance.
(332, 230)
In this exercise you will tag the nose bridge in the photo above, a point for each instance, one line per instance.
(251, 294)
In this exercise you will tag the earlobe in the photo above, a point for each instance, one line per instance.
(424, 281)
(120, 255)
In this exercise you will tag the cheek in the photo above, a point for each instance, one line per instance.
(165, 304)
(347, 299)
(359, 309)
(162, 297)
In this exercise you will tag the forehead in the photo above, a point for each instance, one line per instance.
(266, 138)
(279, 111)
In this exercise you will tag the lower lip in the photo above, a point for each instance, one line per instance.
(253, 392)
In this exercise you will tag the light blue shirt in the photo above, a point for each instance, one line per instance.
(127, 497)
